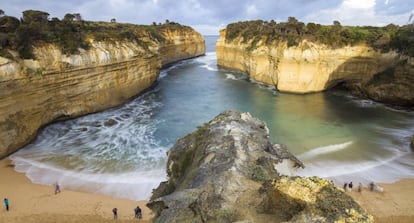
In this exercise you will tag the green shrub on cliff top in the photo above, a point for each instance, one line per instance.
(71, 33)
(336, 35)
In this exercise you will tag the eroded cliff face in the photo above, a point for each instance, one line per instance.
(392, 86)
(180, 45)
(55, 86)
(308, 67)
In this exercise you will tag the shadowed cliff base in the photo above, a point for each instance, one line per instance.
(228, 171)
(393, 86)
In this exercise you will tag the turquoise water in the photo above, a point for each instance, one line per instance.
(337, 136)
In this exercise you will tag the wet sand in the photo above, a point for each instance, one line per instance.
(37, 203)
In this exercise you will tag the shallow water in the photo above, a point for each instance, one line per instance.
(337, 136)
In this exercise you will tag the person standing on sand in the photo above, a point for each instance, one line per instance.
(57, 188)
(359, 187)
(138, 212)
(6, 203)
(350, 186)
(115, 211)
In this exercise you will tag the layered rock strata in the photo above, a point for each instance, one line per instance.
(55, 86)
(229, 171)
(312, 67)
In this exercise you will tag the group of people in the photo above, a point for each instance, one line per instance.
(349, 186)
(137, 212)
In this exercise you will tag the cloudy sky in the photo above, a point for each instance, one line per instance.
(208, 16)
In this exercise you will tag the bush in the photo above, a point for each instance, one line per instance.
(403, 40)
(71, 33)
(336, 35)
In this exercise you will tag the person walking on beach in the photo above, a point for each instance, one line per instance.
(138, 212)
(345, 187)
(57, 188)
(6, 203)
(350, 186)
(359, 187)
(115, 211)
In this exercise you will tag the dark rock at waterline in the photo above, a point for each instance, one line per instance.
(91, 124)
(412, 142)
(225, 172)
(110, 122)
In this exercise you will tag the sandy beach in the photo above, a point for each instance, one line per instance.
(37, 203)
(394, 205)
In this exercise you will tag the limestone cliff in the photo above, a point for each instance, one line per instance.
(229, 171)
(393, 86)
(312, 67)
(55, 86)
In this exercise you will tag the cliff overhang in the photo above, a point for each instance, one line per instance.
(309, 66)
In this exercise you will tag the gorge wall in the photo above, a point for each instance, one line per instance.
(312, 67)
(55, 86)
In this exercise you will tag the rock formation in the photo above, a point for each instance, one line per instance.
(393, 86)
(313, 67)
(229, 171)
(412, 142)
(56, 86)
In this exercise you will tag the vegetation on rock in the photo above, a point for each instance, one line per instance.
(336, 35)
(70, 33)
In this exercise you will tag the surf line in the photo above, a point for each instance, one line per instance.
(324, 150)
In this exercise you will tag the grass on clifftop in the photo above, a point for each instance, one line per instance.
(336, 35)
(71, 33)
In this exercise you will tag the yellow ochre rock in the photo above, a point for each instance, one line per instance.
(56, 86)
(308, 67)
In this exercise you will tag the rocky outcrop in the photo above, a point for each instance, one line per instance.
(412, 142)
(57, 86)
(393, 86)
(312, 67)
(229, 171)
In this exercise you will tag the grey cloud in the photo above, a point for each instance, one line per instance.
(393, 7)
(210, 13)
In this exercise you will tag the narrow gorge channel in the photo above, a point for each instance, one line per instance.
(122, 151)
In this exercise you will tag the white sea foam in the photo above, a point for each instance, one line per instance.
(323, 150)
(127, 159)
(123, 159)
(380, 169)
(136, 185)
(231, 76)
(208, 61)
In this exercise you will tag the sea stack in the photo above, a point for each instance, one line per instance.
(225, 172)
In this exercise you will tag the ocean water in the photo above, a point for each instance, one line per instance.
(121, 152)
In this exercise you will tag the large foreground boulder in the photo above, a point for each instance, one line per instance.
(229, 171)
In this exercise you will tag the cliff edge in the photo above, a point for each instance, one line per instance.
(302, 59)
(228, 171)
(55, 85)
